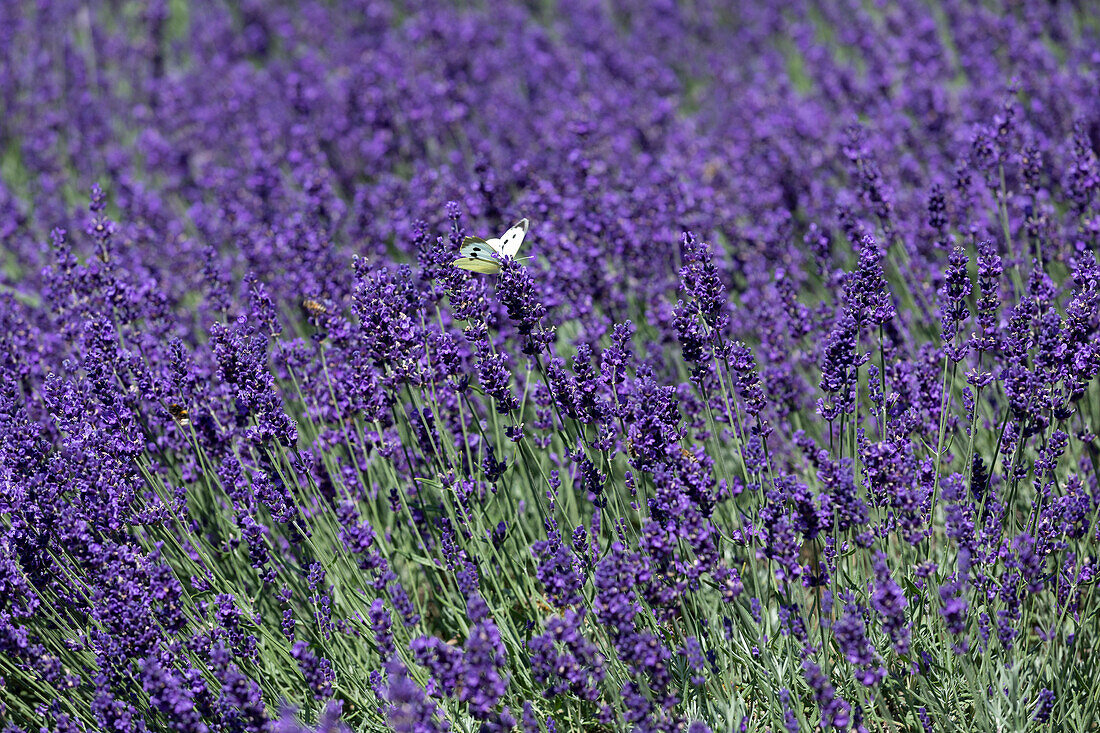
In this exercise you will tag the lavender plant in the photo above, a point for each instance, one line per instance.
(788, 423)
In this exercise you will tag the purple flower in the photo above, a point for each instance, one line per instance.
(516, 290)
(240, 705)
(838, 370)
(747, 382)
(483, 682)
(953, 302)
(840, 500)
(329, 721)
(1083, 174)
(790, 720)
(558, 570)
(495, 378)
(249, 410)
(170, 694)
(563, 659)
(835, 711)
(693, 655)
(869, 180)
(408, 708)
(242, 363)
(890, 603)
(866, 290)
(989, 272)
(851, 635)
(954, 609)
(1044, 706)
(381, 623)
(702, 283)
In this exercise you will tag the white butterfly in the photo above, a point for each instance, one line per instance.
(477, 253)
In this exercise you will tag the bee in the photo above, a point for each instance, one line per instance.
(179, 414)
(314, 308)
(688, 455)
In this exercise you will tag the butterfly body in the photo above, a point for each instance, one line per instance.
(477, 253)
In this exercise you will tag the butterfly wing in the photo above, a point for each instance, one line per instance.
(478, 248)
(513, 238)
(478, 264)
(477, 255)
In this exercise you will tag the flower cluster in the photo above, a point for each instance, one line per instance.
(784, 417)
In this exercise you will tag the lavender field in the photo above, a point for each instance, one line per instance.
(782, 418)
